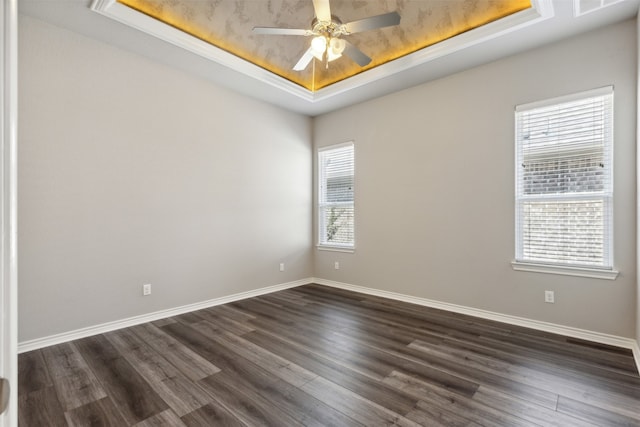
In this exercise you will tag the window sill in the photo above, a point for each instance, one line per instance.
(595, 273)
(335, 249)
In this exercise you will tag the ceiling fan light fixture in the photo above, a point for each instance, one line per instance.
(336, 47)
(332, 56)
(319, 45)
(326, 29)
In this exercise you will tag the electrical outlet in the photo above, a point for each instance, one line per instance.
(336, 265)
(282, 266)
(549, 297)
(146, 289)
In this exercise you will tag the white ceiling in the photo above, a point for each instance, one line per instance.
(550, 21)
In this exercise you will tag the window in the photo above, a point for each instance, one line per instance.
(564, 188)
(335, 196)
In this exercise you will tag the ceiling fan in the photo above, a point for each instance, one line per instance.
(327, 31)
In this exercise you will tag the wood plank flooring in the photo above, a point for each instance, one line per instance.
(318, 356)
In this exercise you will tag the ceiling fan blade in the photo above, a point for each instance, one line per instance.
(304, 60)
(281, 31)
(356, 54)
(371, 23)
(323, 10)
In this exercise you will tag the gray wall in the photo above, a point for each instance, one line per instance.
(132, 173)
(435, 186)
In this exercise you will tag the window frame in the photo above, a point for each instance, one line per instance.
(573, 269)
(321, 204)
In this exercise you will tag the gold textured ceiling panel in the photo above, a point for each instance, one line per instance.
(228, 24)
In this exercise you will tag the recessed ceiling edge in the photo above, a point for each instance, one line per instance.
(540, 10)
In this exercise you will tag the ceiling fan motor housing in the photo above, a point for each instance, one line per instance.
(328, 29)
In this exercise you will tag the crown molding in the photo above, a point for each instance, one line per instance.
(548, 21)
(540, 10)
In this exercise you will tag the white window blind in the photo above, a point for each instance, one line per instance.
(335, 196)
(564, 187)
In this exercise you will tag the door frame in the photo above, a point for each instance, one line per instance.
(8, 205)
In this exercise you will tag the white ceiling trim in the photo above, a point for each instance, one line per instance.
(151, 26)
(540, 11)
(553, 21)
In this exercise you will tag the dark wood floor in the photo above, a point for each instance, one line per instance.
(319, 356)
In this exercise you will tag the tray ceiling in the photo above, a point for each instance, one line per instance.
(227, 24)
(113, 22)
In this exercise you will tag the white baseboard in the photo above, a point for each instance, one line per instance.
(484, 314)
(144, 318)
(636, 354)
(499, 317)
